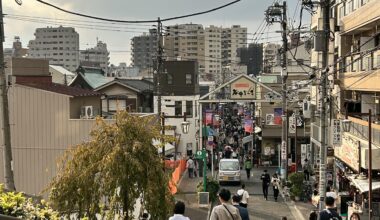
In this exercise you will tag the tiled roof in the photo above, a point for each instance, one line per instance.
(61, 89)
(141, 85)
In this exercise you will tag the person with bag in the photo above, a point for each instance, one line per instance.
(248, 167)
(329, 212)
(275, 183)
(244, 196)
(225, 211)
(190, 167)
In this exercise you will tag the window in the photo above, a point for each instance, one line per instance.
(170, 79)
(178, 107)
(189, 109)
(188, 79)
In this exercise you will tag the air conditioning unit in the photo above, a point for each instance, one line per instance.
(87, 112)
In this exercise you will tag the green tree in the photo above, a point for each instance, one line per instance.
(109, 173)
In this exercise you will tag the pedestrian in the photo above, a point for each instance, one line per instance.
(190, 167)
(225, 211)
(275, 183)
(244, 196)
(329, 212)
(236, 200)
(265, 178)
(306, 169)
(179, 211)
(248, 166)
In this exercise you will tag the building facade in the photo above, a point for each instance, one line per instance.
(233, 38)
(270, 53)
(252, 57)
(60, 45)
(144, 49)
(97, 56)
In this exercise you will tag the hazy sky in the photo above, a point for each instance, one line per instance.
(248, 13)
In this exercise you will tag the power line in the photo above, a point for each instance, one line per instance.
(136, 21)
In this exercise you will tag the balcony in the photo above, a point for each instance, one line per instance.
(361, 72)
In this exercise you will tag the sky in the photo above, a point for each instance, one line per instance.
(247, 13)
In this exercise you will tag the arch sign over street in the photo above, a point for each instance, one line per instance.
(241, 88)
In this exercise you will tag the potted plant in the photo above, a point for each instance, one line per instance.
(296, 180)
(212, 186)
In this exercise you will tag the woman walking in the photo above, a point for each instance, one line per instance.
(275, 183)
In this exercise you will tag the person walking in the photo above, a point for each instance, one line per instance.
(329, 212)
(248, 166)
(306, 169)
(225, 211)
(244, 196)
(190, 167)
(265, 178)
(179, 211)
(275, 183)
(236, 200)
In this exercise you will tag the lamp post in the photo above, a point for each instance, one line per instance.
(346, 124)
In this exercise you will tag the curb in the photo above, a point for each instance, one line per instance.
(292, 206)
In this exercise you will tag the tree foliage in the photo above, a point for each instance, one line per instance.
(108, 174)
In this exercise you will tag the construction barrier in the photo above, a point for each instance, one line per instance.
(176, 175)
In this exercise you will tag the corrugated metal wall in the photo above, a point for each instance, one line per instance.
(41, 130)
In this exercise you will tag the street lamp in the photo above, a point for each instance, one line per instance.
(346, 124)
(185, 126)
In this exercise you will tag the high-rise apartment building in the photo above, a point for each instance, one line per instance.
(252, 57)
(270, 53)
(97, 56)
(211, 46)
(144, 49)
(233, 38)
(58, 44)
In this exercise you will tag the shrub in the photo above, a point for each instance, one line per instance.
(212, 186)
(296, 180)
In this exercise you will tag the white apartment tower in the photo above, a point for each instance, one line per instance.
(97, 56)
(58, 44)
(270, 53)
(233, 38)
(213, 52)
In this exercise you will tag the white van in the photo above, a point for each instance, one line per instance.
(229, 171)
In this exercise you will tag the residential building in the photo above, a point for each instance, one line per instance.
(122, 70)
(354, 60)
(61, 75)
(233, 38)
(17, 50)
(180, 92)
(97, 56)
(144, 49)
(90, 78)
(60, 45)
(233, 70)
(252, 57)
(46, 120)
(131, 94)
(270, 55)
(213, 52)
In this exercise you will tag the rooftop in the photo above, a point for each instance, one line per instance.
(61, 89)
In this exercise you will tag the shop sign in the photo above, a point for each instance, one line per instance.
(336, 133)
(292, 124)
(283, 151)
(243, 89)
(349, 152)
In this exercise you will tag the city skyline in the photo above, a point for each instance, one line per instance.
(23, 20)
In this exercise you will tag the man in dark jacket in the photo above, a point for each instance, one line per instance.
(265, 178)
(243, 211)
(329, 213)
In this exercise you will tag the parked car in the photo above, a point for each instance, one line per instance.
(229, 171)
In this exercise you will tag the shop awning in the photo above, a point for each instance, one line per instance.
(362, 184)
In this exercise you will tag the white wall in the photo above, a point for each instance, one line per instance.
(167, 103)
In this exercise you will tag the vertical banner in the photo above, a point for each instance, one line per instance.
(337, 133)
(248, 125)
(278, 116)
(208, 118)
(292, 124)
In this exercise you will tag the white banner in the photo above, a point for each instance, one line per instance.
(292, 124)
(336, 133)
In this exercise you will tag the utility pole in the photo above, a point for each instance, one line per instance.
(6, 131)
(159, 64)
(284, 73)
(325, 11)
(277, 13)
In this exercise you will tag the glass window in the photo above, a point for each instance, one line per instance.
(189, 109)
(170, 79)
(188, 79)
(178, 107)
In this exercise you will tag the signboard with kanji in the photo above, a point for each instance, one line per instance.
(243, 89)
(336, 133)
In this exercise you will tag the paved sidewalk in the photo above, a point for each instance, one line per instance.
(188, 194)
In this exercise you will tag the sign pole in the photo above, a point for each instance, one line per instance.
(204, 170)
